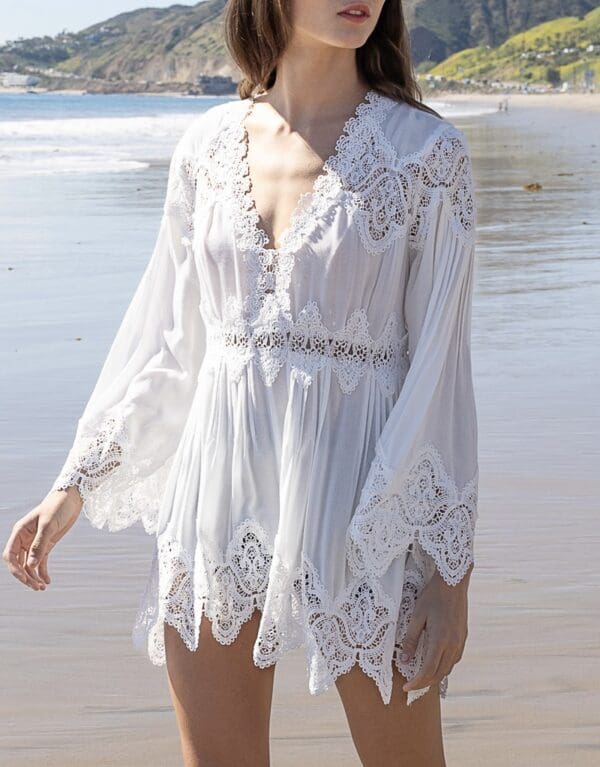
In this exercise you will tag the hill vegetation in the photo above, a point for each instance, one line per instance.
(440, 28)
(556, 51)
(150, 48)
(182, 47)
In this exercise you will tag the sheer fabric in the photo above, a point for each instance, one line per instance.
(316, 458)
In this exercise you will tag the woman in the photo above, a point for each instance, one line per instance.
(311, 478)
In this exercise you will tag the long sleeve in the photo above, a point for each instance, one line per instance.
(421, 488)
(132, 422)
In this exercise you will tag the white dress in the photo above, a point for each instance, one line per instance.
(297, 427)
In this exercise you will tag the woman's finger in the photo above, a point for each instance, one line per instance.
(20, 536)
(23, 551)
(411, 639)
(40, 544)
(15, 567)
(445, 666)
(32, 569)
(32, 577)
(43, 568)
(32, 572)
(430, 664)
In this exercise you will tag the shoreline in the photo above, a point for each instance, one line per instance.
(589, 102)
(586, 102)
(83, 92)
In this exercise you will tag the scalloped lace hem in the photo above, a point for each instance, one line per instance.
(363, 624)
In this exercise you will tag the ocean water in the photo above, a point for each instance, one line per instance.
(67, 134)
(82, 181)
(43, 134)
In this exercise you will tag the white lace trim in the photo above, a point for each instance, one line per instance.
(361, 625)
(441, 171)
(180, 197)
(308, 346)
(116, 490)
(390, 195)
(429, 509)
(393, 196)
(225, 169)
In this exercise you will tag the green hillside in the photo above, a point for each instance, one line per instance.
(174, 43)
(137, 50)
(568, 45)
(441, 27)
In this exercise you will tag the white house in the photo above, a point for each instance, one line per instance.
(16, 80)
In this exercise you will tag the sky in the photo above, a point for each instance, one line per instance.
(29, 18)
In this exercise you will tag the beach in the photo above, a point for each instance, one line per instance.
(579, 101)
(81, 187)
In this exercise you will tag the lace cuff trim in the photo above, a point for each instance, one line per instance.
(116, 491)
(429, 509)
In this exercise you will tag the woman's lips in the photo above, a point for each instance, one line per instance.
(355, 13)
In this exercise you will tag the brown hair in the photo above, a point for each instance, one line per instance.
(257, 32)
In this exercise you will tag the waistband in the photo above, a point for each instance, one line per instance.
(307, 346)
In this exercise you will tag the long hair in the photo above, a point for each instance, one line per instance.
(257, 33)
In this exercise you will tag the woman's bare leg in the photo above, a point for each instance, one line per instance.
(393, 735)
(222, 700)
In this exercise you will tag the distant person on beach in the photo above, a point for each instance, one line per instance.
(309, 474)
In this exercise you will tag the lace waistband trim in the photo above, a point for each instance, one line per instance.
(308, 346)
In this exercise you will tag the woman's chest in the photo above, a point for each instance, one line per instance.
(285, 199)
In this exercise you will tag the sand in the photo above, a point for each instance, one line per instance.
(585, 102)
(527, 691)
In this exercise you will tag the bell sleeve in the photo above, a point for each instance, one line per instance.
(421, 488)
(131, 425)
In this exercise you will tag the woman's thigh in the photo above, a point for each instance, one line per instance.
(392, 735)
(222, 700)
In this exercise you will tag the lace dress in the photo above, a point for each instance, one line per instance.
(296, 427)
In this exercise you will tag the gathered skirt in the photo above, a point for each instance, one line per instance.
(256, 514)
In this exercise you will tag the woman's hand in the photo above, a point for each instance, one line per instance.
(34, 536)
(443, 611)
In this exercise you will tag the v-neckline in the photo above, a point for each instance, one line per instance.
(306, 200)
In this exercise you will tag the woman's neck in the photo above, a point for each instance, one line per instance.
(316, 82)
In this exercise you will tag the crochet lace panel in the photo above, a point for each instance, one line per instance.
(389, 195)
(182, 188)
(440, 173)
(429, 509)
(362, 624)
(307, 346)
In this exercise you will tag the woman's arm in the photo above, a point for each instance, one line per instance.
(421, 491)
(131, 425)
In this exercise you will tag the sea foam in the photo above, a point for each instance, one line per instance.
(87, 144)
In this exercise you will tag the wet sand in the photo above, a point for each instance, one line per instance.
(527, 691)
(585, 102)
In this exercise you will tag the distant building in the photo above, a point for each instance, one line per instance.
(16, 80)
(216, 85)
